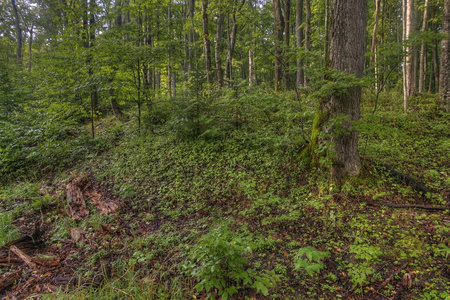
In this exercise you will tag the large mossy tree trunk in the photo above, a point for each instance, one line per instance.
(347, 48)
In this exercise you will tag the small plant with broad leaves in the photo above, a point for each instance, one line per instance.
(313, 262)
(220, 265)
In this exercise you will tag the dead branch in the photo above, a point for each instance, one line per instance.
(425, 207)
(23, 256)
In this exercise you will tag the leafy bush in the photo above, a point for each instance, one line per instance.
(7, 231)
(313, 263)
(219, 262)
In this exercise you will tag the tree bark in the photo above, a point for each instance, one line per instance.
(219, 31)
(250, 68)
(206, 43)
(279, 25)
(299, 40)
(423, 52)
(444, 80)
(347, 48)
(307, 32)
(373, 48)
(232, 41)
(30, 48)
(408, 69)
(18, 32)
(326, 38)
(287, 37)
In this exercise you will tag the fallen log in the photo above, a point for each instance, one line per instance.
(418, 206)
(409, 181)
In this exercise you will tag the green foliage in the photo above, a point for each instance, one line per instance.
(313, 263)
(219, 262)
(366, 256)
(8, 232)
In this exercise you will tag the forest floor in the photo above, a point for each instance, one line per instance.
(157, 216)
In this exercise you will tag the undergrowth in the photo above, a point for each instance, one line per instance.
(225, 207)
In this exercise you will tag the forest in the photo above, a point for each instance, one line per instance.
(224, 149)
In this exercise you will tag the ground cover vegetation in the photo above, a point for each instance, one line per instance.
(224, 150)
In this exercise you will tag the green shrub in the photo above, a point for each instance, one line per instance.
(219, 262)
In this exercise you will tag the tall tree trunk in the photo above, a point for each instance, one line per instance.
(206, 43)
(169, 50)
(444, 79)
(423, 52)
(191, 36)
(299, 40)
(250, 68)
(373, 48)
(307, 32)
(18, 32)
(437, 69)
(219, 32)
(279, 25)
(408, 70)
(94, 95)
(232, 40)
(326, 38)
(30, 48)
(287, 37)
(347, 48)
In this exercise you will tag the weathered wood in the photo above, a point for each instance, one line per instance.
(23, 256)
(9, 279)
(419, 206)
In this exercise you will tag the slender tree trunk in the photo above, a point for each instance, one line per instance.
(307, 32)
(250, 68)
(206, 43)
(423, 52)
(94, 95)
(232, 41)
(437, 69)
(326, 38)
(287, 37)
(30, 48)
(279, 25)
(444, 79)
(347, 48)
(373, 48)
(18, 32)
(408, 81)
(219, 32)
(299, 41)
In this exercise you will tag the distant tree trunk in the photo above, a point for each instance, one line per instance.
(94, 95)
(423, 52)
(279, 25)
(408, 69)
(191, 37)
(326, 38)
(373, 48)
(250, 68)
(206, 43)
(307, 32)
(437, 70)
(18, 32)
(30, 48)
(219, 32)
(444, 81)
(287, 37)
(299, 40)
(232, 41)
(347, 48)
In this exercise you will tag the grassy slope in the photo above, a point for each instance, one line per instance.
(176, 194)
